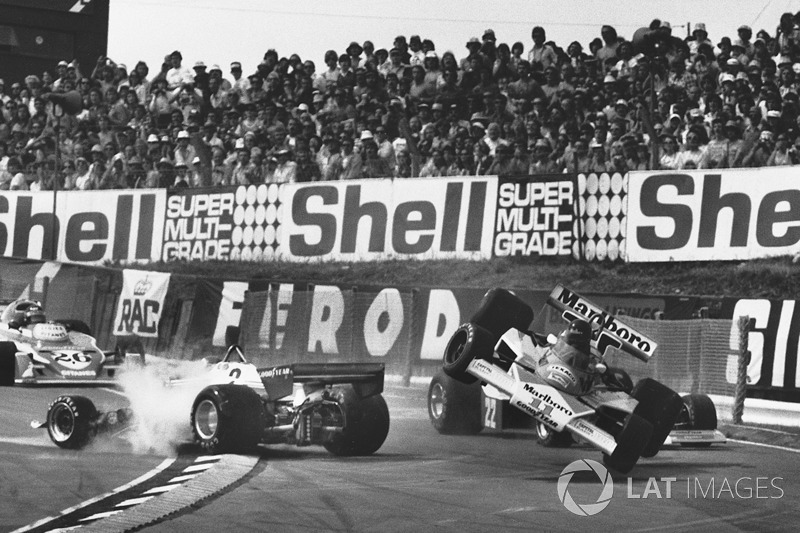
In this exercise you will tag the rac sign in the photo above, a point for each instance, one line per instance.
(731, 214)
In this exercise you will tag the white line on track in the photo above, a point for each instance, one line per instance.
(773, 446)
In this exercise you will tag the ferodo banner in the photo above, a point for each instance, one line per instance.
(364, 220)
(82, 226)
(140, 303)
(535, 216)
(731, 214)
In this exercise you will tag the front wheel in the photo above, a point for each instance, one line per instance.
(70, 420)
(659, 405)
(631, 442)
(366, 423)
(227, 419)
(453, 407)
(549, 438)
(469, 342)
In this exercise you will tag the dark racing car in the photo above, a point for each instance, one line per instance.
(35, 351)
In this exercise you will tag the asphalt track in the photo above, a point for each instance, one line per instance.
(418, 481)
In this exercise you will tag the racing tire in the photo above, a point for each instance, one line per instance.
(366, 423)
(227, 419)
(631, 442)
(70, 421)
(453, 407)
(552, 439)
(76, 325)
(659, 405)
(8, 364)
(701, 413)
(500, 310)
(469, 342)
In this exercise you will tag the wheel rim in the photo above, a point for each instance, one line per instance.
(542, 431)
(62, 422)
(456, 347)
(206, 419)
(437, 401)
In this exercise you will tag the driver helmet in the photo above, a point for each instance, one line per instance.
(573, 344)
(23, 313)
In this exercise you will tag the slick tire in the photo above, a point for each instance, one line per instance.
(702, 414)
(366, 423)
(659, 405)
(69, 421)
(500, 310)
(631, 442)
(227, 419)
(454, 408)
(552, 439)
(8, 364)
(470, 341)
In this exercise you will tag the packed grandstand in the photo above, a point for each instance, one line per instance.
(651, 100)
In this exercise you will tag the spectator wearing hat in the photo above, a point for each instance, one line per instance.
(417, 54)
(354, 50)
(286, 168)
(699, 37)
(474, 59)
(541, 161)
(240, 84)
(184, 152)
(745, 35)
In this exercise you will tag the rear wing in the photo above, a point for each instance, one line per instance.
(608, 330)
(366, 378)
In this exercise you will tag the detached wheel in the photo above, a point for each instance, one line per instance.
(8, 364)
(227, 419)
(469, 342)
(659, 405)
(552, 439)
(631, 442)
(366, 424)
(453, 407)
(69, 421)
(701, 413)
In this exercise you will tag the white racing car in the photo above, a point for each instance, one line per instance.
(561, 385)
(238, 406)
(37, 351)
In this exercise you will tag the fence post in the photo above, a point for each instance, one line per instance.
(741, 376)
(412, 335)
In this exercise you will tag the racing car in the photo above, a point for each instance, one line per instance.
(336, 405)
(35, 351)
(497, 374)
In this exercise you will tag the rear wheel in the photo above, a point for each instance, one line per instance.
(702, 414)
(8, 363)
(227, 419)
(69, 421)
(659, 405)
(366, 423)
(552, 439)
(469, 342)
(631, 442)
(453, 407)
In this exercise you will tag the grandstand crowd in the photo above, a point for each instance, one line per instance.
(652, 100)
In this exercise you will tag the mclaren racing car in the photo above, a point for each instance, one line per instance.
(35, 351)
(499, 375)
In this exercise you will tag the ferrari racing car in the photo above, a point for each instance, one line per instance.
(336, 405)
(35, 351)
(497, 374)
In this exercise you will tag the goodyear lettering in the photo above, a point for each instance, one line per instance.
(539, 415)
(275, 372)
